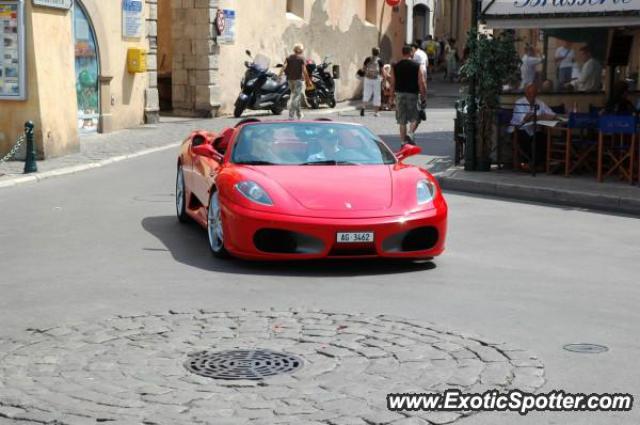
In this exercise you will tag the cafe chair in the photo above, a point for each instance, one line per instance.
(580, 143)
(616, 146)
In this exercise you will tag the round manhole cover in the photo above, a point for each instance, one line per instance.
(586, 348)
(242, 364)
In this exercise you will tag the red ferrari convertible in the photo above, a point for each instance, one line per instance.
(284, 190)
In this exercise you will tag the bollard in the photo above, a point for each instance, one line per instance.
(30, 165)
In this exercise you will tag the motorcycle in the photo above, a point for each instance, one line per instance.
(260, 88)
(324, 90)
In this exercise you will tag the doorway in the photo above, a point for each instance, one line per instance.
(165, 55)
(87, 68)
(421, 22)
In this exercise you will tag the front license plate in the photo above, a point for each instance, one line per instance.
(355, 237)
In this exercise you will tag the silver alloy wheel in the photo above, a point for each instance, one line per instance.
(214, 227)
(180, 193)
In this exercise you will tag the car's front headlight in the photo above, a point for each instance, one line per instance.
(425, 191)
(253, 192)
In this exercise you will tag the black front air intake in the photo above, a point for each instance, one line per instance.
(278, 241)
(418, 239)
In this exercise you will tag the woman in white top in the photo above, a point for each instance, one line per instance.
(528, 68)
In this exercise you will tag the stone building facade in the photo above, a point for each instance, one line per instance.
(78, 80)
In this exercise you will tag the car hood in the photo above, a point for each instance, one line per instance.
(337, 188)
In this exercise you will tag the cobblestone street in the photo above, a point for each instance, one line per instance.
(130, 369)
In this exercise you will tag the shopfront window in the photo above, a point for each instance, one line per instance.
(564, 60)
(87, 71)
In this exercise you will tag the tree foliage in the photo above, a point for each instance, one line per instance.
(492, 62)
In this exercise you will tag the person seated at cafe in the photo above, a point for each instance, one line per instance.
(590, 78)
(620, 102)
(526, 112)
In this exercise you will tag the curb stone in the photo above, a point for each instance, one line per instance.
(545, 195)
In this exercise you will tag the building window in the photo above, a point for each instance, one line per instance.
(296, 7)
(371, 11)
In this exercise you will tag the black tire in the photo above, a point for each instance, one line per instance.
(237, 112)
(331, 102)
(216, 246)
(314, 102)
(181, 197)
(277, 109)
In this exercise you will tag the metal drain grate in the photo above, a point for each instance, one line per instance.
(586, 348)
(242, 364)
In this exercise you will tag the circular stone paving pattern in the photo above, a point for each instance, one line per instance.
(131, 370)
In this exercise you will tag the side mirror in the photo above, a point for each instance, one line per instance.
(279, 65)
(207, 151)
(248, 52)
(407, 151)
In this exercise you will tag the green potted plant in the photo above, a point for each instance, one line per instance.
(492, 61)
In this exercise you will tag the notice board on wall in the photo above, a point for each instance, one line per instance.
(12, 51)
(132, 18)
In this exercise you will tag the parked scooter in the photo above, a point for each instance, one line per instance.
(325, 87)
(261, 89)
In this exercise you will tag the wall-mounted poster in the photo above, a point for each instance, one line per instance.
(132, 18)
(228, 35)
(54, 4)
(12, 58)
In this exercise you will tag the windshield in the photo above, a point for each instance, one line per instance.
(309, 144)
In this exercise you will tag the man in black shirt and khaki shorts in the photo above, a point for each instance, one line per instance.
(408, 84)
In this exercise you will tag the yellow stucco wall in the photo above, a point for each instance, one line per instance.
(328, 27)
(51, 101)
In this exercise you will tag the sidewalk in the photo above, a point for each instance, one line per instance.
(581, 192)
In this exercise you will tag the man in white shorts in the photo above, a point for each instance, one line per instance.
(372, 82)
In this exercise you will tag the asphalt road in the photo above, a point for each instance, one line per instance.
(106, 242)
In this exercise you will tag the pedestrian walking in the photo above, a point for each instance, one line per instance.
(387, 90)
(431, 48)
(451, 55)
(409, 88)
(296, 71)
(420, 57)
(372, 68)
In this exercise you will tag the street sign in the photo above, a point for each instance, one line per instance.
(55, 4)
(228, 27)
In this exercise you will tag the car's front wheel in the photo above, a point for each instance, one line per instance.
(181, 197)
(214, 227)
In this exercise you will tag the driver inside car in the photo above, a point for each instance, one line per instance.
(328, 147)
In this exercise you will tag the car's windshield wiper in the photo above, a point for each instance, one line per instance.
(326, 162)
(255, 163)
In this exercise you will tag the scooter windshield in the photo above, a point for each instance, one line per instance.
(261, 62)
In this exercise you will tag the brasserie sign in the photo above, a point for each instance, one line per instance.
(542, 7)
(56, 4)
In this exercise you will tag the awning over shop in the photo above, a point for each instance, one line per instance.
(560, 13)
